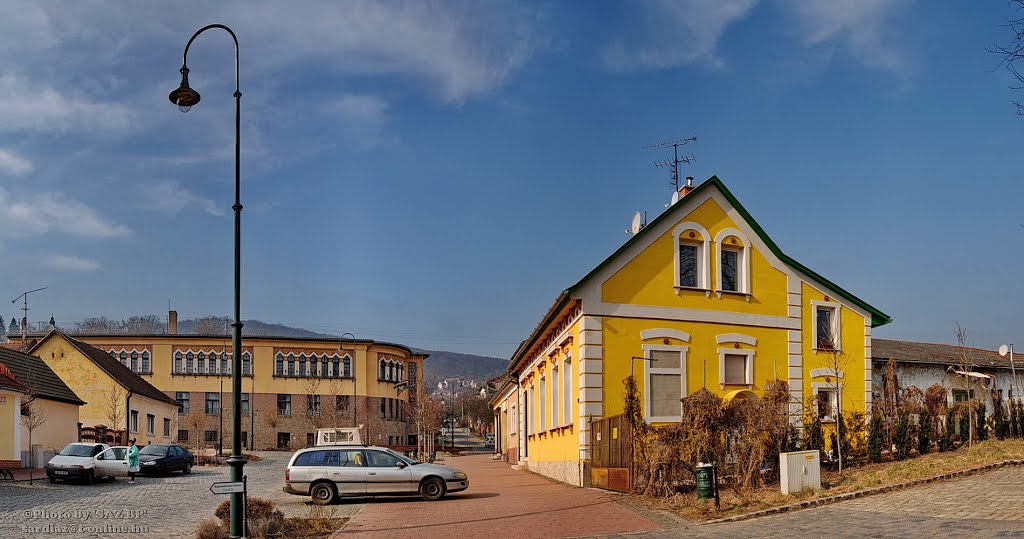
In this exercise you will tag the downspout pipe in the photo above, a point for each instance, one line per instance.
(128, 417)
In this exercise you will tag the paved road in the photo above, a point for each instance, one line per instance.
(161, 507)
(500, 502)
(984, 505)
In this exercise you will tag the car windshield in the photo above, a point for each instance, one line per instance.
(158, 450)
(77, 451)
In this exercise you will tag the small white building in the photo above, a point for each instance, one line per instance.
(924, 364)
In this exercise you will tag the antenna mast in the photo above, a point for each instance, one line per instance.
(24, 318)
(673, 165)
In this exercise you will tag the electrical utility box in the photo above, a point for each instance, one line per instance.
(800, 470)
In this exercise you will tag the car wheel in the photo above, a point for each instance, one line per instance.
(90, 477)
(187, 469)
(112, 478)
(432, 489)
(52, 480)
(323, 493)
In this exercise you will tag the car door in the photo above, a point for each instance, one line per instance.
(386, 474)
(346, 467)
(112, 462)
(175, 460)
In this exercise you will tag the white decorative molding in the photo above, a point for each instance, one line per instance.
(749, 364)
(744, 259)
(696, 315)
(818, 373)
(837, 324)
(664, 333)
(736, 337)
(703, 257)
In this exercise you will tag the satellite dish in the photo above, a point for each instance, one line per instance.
(1003, 350)
(636, 223)
(675, 197)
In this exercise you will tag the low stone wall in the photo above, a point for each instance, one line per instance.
(564, 471)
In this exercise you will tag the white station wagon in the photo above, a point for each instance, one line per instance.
(325, 473)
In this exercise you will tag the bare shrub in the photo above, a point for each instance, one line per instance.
(211, 529)
(265, 519)
(702, 420)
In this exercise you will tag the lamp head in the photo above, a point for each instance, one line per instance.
(184, 96)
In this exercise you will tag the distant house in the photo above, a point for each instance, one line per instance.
(114, 393)
(25, 378)
(924, 364)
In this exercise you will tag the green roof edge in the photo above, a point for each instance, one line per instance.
(878, 318)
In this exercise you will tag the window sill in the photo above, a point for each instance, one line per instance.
(827, 350)
(203, 374)
(680, 289)
(748, 386)
(746, 295)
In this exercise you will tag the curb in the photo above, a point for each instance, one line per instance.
(861, 493)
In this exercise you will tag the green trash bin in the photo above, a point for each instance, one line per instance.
(705, 482)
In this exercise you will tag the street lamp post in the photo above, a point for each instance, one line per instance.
(185, 97)
(451, 406)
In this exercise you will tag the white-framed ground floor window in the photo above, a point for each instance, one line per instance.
(735, 367)
(664, 382)
(826, 401)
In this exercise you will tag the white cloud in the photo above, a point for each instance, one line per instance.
(858, 26)
(73, 263)
(14, 164)
(173, 198)
(675, 33)
(361, 118)
(28, 105)
(43, 213)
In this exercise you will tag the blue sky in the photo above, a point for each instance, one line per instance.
(434, 173)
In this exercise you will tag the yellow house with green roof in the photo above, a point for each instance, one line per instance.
(701, 297)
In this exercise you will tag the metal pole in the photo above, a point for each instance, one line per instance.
(220, 405)
(235, 461)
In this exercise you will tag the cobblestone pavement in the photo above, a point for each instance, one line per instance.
(161, 507)
(500, 502)
(990, 504)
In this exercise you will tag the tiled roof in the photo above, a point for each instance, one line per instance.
(123, 375)
(9, 382)
(36, 376)
(942, 354)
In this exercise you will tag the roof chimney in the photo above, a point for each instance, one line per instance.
(172, 322)
(685, 190)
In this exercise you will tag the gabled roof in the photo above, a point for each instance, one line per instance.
(35, 376)
(9, 382)
(937, 354)
(121, 374)
(878, 318)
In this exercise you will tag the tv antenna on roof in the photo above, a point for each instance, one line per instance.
(24, 319)
(673, 165)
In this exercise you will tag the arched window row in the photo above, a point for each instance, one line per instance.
(207, 362)
(139, 361)
(312, 365)
(390, 370)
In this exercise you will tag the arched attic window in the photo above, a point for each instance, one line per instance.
(733, 273)
(691, 243)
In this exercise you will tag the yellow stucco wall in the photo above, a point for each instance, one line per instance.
(851, 359)
(8, 415)
(59, 429)
(94, 386)
(557, 441)
(364, 366)
(649, 278)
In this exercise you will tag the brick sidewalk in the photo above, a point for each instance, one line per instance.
(500, 502)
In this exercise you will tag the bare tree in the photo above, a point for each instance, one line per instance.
(1013, 51)
(98, 326)
(197, 420)
(33, 416)
(315, 415)
(963, 358)
(143, 324)
(838, 362)
(115, 408)
(210, 325)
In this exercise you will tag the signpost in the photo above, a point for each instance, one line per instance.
(233, 487)
(227, 487)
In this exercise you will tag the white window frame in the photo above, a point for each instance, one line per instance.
(742, 262)
(567, 392)
(648, 371)
(837, 326)
(513, 426)
(532, 404)
(749, 364)
(150, 424)
(134, 420)
(555, 397)
(703, 254)
(541, 400)
(825, 387)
